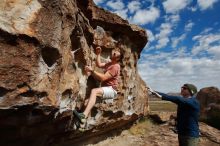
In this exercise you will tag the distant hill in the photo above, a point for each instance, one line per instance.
(174, 94)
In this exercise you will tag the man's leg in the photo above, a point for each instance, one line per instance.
(192, 141)
(182, 140)
(188, 141)
(92, 99)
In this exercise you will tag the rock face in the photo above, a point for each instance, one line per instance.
(44, 46)
(210, 105)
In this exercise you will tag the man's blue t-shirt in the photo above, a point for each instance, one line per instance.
(187, 114)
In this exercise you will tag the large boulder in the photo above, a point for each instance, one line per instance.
(209, 99)
(44, 46)
(209, 132)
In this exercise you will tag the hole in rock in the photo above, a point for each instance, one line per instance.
(75, 44)
(28, 94)
(50, 55)
(8, 38)
(3, 91)
(75, 41)
(112, 115)
(42, 94)
(67, 93)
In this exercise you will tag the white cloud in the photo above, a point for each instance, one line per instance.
(167, 72)
(193, 9)
(151, 38)
(134, 6)
(189, 26)
(162, 42)
(145, 16)
(173, 18)
(176, 40)
(122, 13)
(182, 52)
(204, 42)
(150, 35)
(97, 2)
(206, 4)
(163, 72)
(116, 5)
(174, 6)
(207, 30)
(163, 36)
(215, 51)
(180, 66)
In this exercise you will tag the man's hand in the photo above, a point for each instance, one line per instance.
(153, 92)
(88, 70)
(98, 50)
(150, 89)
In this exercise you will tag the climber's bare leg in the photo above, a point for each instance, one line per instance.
(92, 100)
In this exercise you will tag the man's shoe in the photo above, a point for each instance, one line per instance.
(80, 116)
(82, 129)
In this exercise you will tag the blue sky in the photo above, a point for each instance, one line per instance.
(184, 40)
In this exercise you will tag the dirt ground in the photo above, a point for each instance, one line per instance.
(147, 134)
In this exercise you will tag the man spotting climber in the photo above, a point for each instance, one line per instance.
(109, 81)
(187, 114)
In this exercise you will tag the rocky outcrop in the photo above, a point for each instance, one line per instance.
(209, 99)
(163, 116)
(211, 133)
(44, 46)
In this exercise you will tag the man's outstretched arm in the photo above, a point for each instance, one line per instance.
(154, 92)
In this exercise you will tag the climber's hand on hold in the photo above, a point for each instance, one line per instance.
(89, 70)
(98, 50)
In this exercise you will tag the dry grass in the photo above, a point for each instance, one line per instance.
(162, 106)
(145, 125)
(142, 127)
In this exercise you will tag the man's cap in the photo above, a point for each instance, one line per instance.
(192, 88)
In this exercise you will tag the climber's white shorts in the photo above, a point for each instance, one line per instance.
(109, 92)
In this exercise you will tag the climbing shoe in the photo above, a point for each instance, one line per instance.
(80, 116)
